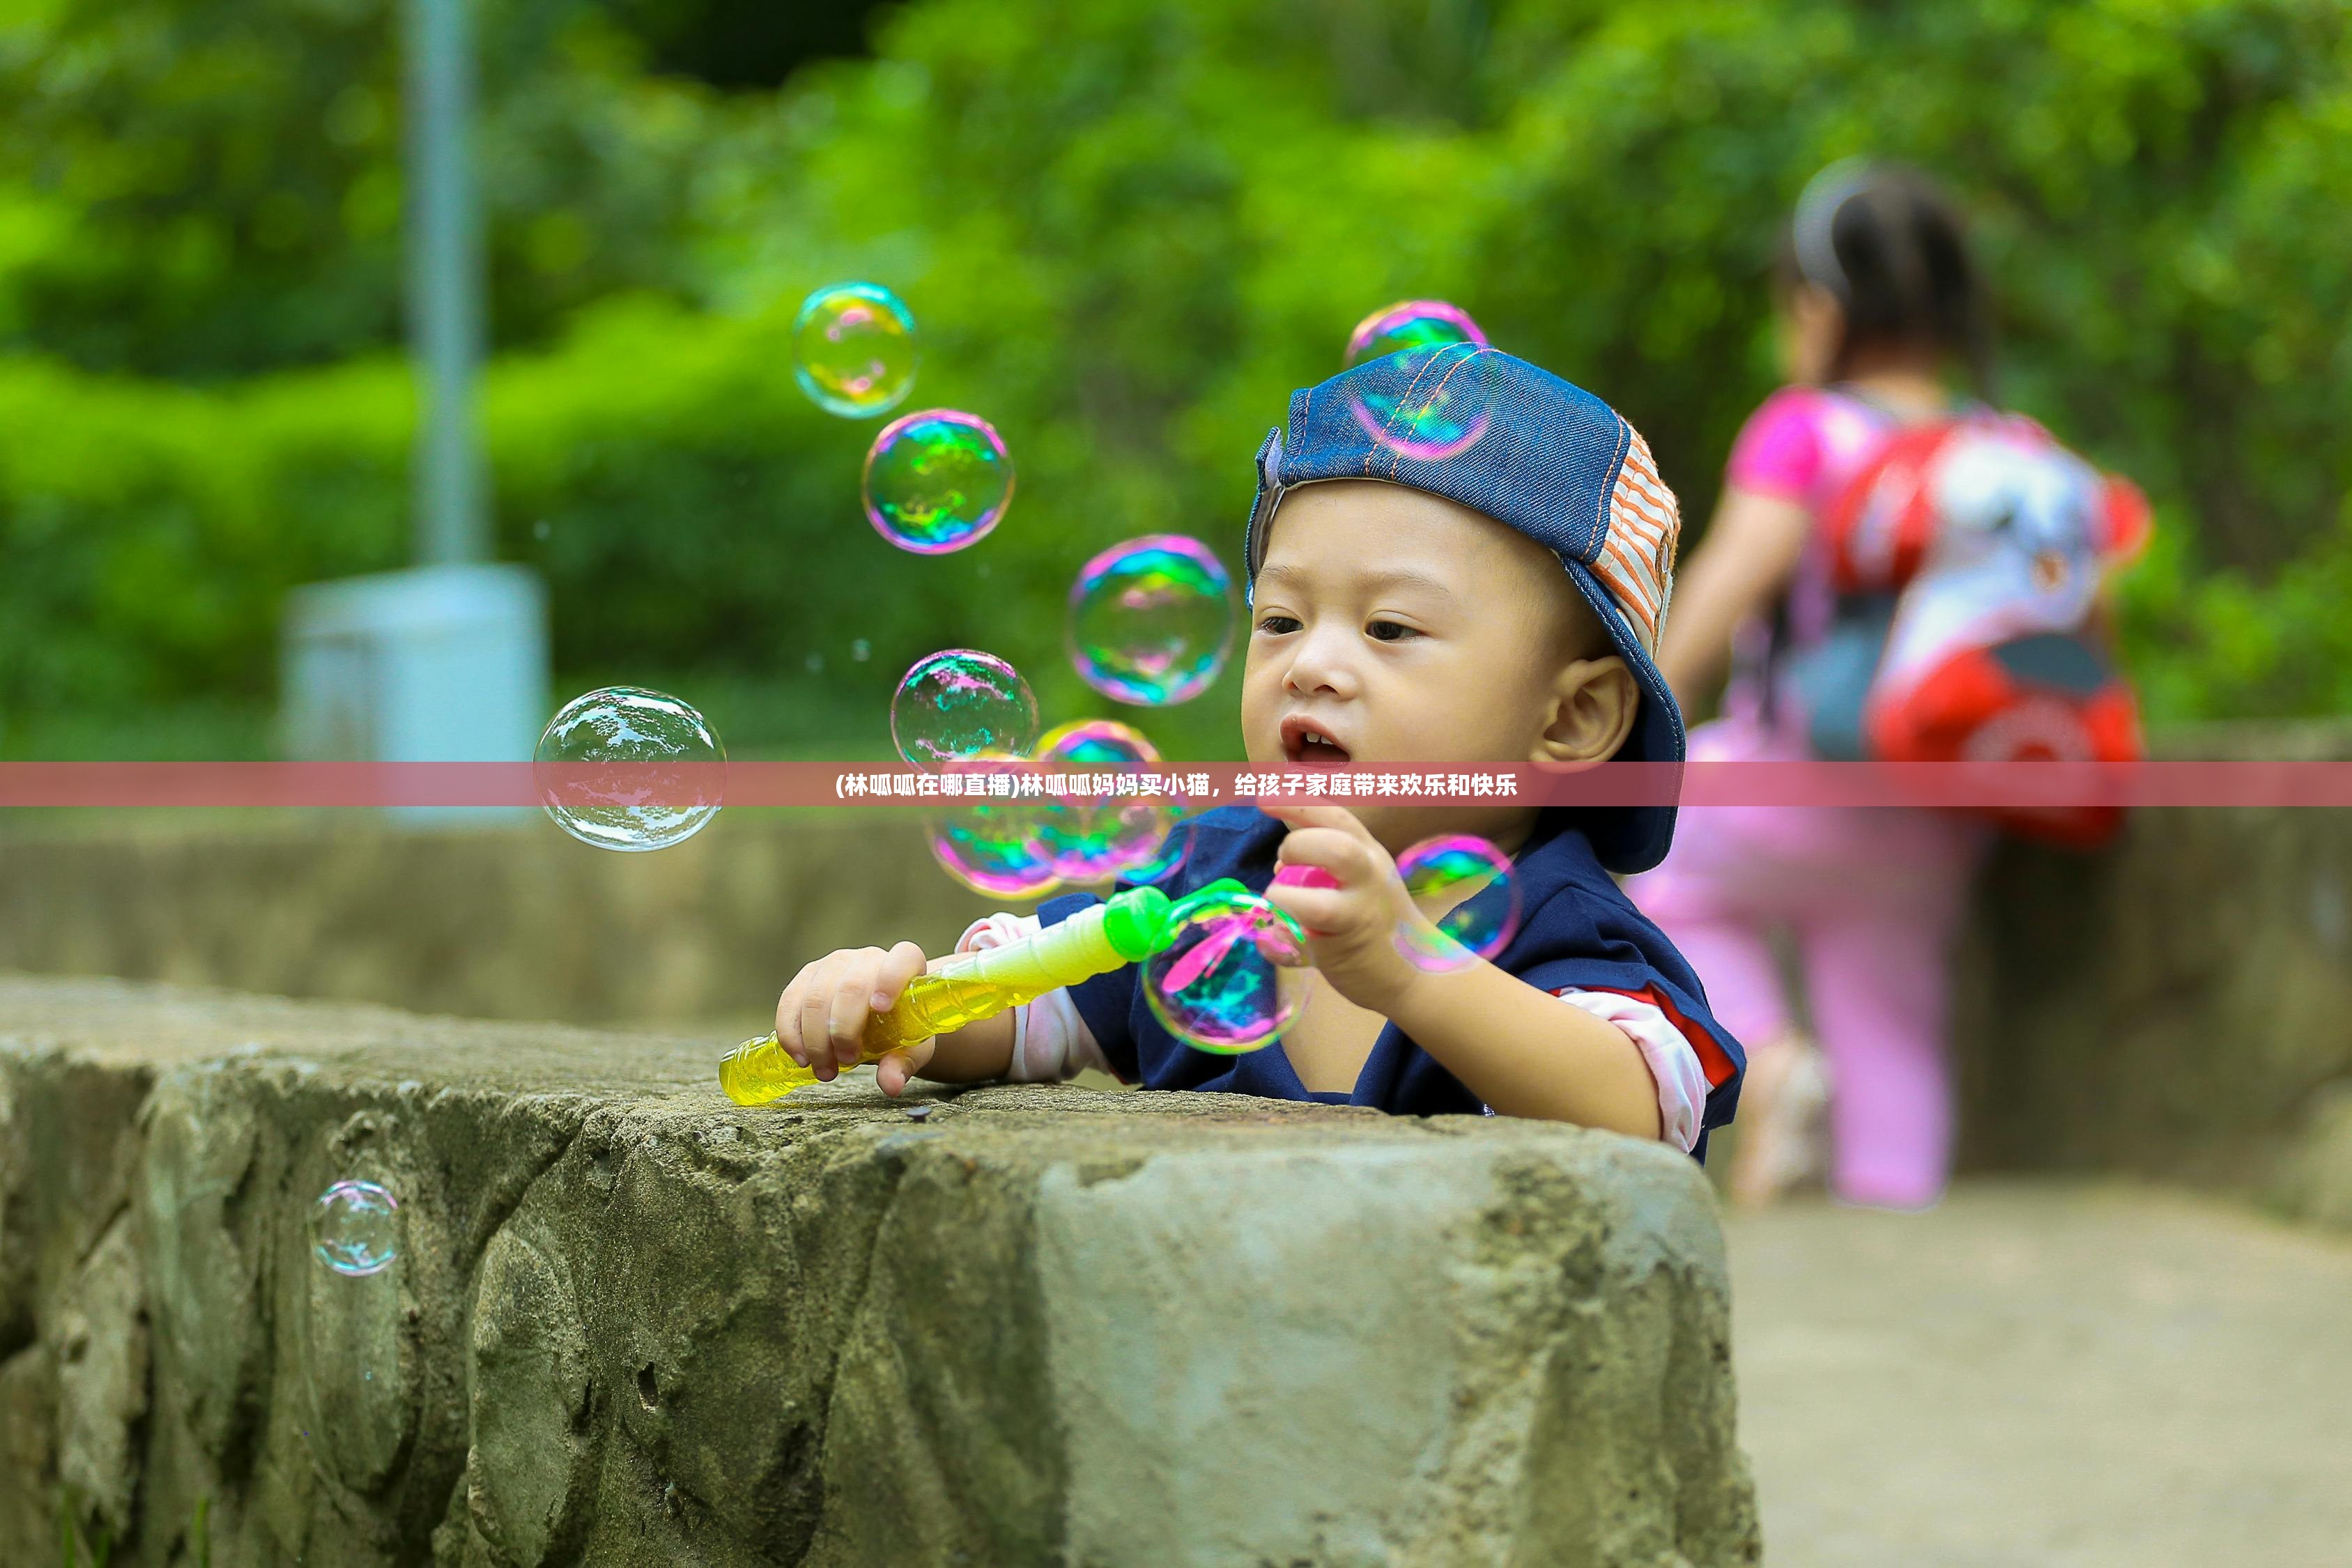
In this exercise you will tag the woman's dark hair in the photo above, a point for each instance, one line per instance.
(1892, 248)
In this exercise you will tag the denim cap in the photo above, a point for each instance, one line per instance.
(1495, 433)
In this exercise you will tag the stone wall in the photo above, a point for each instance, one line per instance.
(500, 923)
(2179, 1005)
(631, 1323)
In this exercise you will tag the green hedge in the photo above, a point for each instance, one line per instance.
(1128, 229)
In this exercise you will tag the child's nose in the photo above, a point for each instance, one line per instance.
(1321, 664)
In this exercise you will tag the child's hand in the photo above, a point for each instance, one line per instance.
(1352, 929)
(821, 1018)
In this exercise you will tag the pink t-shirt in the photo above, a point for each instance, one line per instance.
(1803, 443)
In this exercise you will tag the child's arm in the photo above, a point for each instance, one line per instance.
(820, 1022)
(1519, 1049)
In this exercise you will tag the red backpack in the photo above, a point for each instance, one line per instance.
(1973, 550)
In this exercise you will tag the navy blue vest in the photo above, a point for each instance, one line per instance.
(1577, 931)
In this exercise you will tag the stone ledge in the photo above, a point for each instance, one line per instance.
(632, 1323)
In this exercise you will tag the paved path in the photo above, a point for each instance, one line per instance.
(2060, 1376)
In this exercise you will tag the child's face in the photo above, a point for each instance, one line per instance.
(1395, 627)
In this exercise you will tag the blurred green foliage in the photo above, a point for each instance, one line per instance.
(1127, 228)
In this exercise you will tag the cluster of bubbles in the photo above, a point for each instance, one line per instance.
(1411, 324)
(853, 350)
(934, 481)
(667, 786)
(1467, 899)
(1232, 978)
(996, 845)
(961, 712)
(355, 1228)
(1151, 624)
(1120, 836)
(1151, 620)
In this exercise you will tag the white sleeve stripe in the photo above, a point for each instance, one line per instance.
(1050, 1040)
(1673, 1065)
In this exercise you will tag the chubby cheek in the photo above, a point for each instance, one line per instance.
(1261, 710)
(1426, 722)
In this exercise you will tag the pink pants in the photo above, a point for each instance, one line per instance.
(1870, 898)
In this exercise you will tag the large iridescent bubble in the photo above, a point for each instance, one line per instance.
(1096, 839)
(1233, 975)
(995, 842)
(961, 702)
(1151, 620)
(937, 480)
(1436, 404)
(1468, 901)
(625, 768)
(853, 350)
(1411, 324)
(355, 1228)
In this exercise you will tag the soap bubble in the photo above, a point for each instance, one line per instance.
(960, 702)
(669, 789)
(1441, 410)
(1411, 324)
(1464, 885)
(996, 844)
(355, 1228)
(1151, 620)
(1093, 838)
(937, 480)
(1234, 974)
(853, 350)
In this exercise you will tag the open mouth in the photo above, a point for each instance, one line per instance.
(1308, 744)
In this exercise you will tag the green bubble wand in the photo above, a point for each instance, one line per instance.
(970, 987)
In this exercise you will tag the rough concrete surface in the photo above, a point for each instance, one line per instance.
(631, 1323)
(2055, 1374)
(514, 921)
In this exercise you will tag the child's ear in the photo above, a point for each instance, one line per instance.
(1594, 704)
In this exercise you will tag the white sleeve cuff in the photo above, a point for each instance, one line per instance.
(1050, 1040)
(1673, 1065)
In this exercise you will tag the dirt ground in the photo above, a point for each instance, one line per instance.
(2060, 1375)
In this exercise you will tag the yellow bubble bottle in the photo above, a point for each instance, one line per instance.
(970, 987)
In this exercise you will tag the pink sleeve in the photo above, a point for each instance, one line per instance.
(1779, 449)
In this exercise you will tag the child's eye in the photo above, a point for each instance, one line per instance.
(1389, 631)
(1276, 626)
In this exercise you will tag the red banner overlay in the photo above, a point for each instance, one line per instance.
(1983, 786)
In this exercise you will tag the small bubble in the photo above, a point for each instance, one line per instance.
(960, 702)
(1428, 404)
(815, 662)
(644, 809)
(541, 528)
(936, 481)
(1232, 975)
(1463, 888)
(1411, 324)
(1151, 621)
(1091, 840)
(853, 350)
(861, 650)
(355, 1228)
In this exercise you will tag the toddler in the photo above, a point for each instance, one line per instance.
(1411, 604)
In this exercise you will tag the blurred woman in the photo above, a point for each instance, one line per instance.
(1879, 316)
